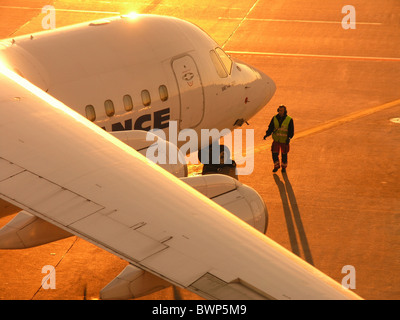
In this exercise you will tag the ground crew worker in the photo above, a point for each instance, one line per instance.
(282, 129)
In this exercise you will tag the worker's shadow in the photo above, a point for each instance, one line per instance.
(293, 221)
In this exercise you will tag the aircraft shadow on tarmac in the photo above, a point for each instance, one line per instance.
(293, 218)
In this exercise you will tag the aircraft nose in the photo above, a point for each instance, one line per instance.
(269, 85)
(272, 86)
(259, 88)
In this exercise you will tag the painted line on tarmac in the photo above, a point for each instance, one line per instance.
(240, 23)
(336, 122)
(299, 21)
(320, 56)
(62, 10)
(351, 117)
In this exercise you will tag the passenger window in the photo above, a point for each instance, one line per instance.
(90, 112)
(163, 93)
(226, 60)
(146, 100)
(128, 104)
(109, 106)
(218, 65)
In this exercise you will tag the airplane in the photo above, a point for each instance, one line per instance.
(76, 104)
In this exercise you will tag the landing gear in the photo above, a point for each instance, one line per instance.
(219, 162)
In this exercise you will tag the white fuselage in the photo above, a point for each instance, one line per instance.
(140, 73)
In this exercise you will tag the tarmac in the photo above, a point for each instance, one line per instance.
(339, 203)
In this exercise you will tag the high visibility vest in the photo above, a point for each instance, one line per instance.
(280, 134)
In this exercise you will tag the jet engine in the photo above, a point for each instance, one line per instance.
(239, 199)
(131, 283)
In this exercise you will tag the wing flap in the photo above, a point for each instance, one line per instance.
(8, 169)
(211, 287)
(114, 235)
(66, 206)
(176, 266)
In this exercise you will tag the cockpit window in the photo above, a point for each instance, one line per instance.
(218, 64)
(226, 60)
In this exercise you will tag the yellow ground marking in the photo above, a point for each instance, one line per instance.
(338, 121)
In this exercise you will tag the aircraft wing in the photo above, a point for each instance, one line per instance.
(62, 168)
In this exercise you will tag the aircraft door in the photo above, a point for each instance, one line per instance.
(190, 91)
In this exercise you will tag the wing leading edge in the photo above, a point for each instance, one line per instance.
(62, 168)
